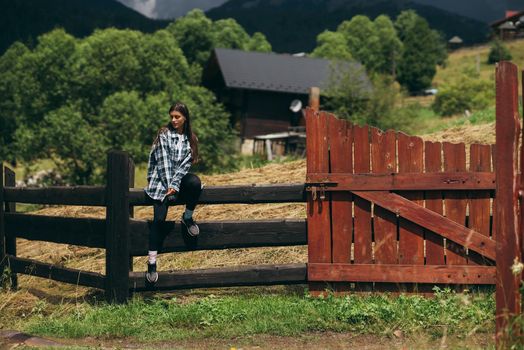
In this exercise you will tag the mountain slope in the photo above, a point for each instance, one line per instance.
(483, 10)
(292, 25)
(26, 19)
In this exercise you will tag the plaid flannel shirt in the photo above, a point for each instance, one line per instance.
(169, 161)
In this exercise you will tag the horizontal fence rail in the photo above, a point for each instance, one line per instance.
(95, 195)
(405, 181)
(223, 277)
(238, 194)
(222, 235)
(56, 273)
(74, 195)
(434, 274)
(88, 232)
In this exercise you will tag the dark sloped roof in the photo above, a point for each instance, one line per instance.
(278, 72)
(514, 17)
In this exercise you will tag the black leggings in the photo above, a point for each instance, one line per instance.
(190, 189)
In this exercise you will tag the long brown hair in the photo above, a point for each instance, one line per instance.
(193, 140)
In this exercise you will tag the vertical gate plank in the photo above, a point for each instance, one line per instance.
(479, 201)
(508, 299)
(318, 214)
(362, 226)
(456, 201)
(493, 196)
(341, 161)
(434, 242)
(383, 160)
(411, 239)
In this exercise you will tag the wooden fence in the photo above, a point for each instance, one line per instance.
(393, 212)
(402, 202)
(385, 211)
(124, 237)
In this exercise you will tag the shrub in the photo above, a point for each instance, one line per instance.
(466, 93)
(498, 52)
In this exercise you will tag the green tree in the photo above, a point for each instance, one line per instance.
(10, 103)
(374, 44)
(77, 148)
(163, 66)
(194, 34)
(227, 33)
(258, 42)
(424, 49)
(41, 77)
(106, 62)
(52, 73)
(332, 45)
(390, 45)
(363, 41)
(122, 119)
(498, 52)
(197, 35)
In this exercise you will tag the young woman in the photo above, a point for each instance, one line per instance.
(174, 149)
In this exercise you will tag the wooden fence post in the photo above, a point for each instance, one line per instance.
(10, 242)
(3, 259)
(508, 241)
(314, 98)
(117, 227)
(131, 208)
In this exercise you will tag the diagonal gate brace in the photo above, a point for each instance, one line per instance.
(430, 220)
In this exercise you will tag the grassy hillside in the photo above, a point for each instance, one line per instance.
(466, 59)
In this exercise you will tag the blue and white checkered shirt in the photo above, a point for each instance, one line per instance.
(169, 160)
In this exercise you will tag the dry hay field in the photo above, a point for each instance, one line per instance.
(33, 289)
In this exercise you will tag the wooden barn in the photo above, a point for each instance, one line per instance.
(509, 27)
(265, 92)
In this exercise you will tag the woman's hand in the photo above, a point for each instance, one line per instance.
(170, 191)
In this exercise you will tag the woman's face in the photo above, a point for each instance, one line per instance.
(177, 120)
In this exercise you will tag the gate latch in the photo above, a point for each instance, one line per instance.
(318, 190)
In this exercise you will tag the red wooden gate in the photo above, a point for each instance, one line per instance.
(382, 203)
(387, 211)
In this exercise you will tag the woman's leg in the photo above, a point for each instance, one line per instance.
(159, 216)
(190, 189)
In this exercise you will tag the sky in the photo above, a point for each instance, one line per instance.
(167, 9)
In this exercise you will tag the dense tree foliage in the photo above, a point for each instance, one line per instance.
(408, 50)
(71, 100)
(424, 49)
(197, 35)
(332, 45)
(373, 43)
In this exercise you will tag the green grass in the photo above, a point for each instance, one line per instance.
(283, 315)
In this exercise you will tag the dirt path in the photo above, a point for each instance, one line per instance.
(326, 340)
